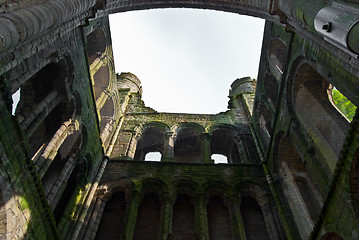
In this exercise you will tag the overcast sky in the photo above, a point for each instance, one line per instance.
(186, 59)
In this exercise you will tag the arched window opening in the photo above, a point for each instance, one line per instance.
(95, 44)
(46, 130)
(183, 224)
(308, 196)
(69, 192)
(341, 103)
(219, 223)
(44, 88)
(277, 57)
(265, 120)
(303, 198)
(222, 147)
(152, 140)
(101, 80)
(112, 220)
(68, 149)
(153, 157)
(253, 220)
(148, 218)
(219, 158)
(15, 101)
(187, 146)
(316, 112)
(107, 113)
(271, 89)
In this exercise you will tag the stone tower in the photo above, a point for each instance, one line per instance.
(74, 150)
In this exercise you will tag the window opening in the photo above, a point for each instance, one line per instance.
(343, 105)
(153, 157)
(15, 101)
(219, 158)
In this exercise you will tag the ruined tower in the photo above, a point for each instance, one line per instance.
(73, 151)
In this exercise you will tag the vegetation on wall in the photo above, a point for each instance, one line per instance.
(344, 105)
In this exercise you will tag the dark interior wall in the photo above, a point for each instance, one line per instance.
(112, 221)
(148, 218)
(219, 223)
(253, 220)
(183, 223)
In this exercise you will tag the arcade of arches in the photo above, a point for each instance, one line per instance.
(75, 151)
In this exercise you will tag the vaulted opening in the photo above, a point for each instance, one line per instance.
(148, 218)
(219, 223)
(151, 140)
(187, 147)
(223, 147)
(253, 219)
(95, 44)
(101, 80)
(183, 222)
(113, 216)
(315, 111)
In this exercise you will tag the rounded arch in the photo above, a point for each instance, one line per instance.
(277, 57)
(218, 189)
(195, 126)
(153, 185)
(107, 113)
(223, 141)
(101, 80)
(309, 100)
(95, 44)
(151, 138)
(259, 9)
(185, 187)
(187, 143)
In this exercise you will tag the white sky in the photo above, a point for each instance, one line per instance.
(186, 59)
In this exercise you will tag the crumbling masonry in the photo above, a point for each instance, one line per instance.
(73, 154)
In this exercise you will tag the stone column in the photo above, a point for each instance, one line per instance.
(166, 218)
(205, 148)
(130, 223)
(201, 217)
(168, 153)
(236, 218)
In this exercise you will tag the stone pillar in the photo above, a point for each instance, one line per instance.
(95, 218)
(238, 229)
(130, 221)
(205, 148)
(166, 218)
(168, 153)
(201, 217)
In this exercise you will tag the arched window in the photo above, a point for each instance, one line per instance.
(148, 218)
(223, 147)
(72, 186)
(101, 80)
(303, 198)
(253, 220)
(187, 146)
(151, 140)
(183, 223)
(271, 89)
(219, 158)
(107, 113)
(316, 113)
(277, 57)
(153, 156)
(219, 223)
(95, 44)
(265, 121)
(112, 220)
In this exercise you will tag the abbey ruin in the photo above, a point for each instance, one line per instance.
(73, 154)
